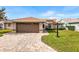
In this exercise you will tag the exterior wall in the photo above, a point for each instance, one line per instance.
(61, 26)
(12, 26)
(5, 25)
(41, 27)
(77, 27)
(50, 26)
(55, 26)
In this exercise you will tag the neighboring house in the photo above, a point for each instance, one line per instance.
(72, 23)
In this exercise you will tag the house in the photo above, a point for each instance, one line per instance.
(72, 23)
(28, 25)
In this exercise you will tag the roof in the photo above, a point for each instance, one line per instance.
(71, 20)
(32, 19)
(29, 19)
(52, 21)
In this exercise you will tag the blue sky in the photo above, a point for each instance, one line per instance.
(13, 12)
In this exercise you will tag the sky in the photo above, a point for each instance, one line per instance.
(50, 12)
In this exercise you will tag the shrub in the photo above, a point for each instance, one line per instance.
(61, 28)
(55, 28)
(71, 27)
(5, 31)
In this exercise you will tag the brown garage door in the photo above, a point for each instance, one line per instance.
(27, 27)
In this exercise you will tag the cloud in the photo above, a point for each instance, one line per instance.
(52, 15)
(48, 13)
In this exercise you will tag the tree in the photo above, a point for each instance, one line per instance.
(2, 14)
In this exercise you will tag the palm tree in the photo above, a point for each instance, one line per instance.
(2, 14)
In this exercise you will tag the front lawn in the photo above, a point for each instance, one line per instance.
(67, 42)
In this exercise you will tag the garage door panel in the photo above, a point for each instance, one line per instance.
(27, 27)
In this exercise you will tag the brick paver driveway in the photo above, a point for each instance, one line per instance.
(23, 42)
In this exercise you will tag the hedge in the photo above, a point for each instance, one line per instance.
(5, 31)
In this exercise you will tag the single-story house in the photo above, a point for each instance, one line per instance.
(72, 23)
(28, 25)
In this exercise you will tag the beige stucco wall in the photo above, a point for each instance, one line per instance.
(12, 26)
(53, 26)
(41, 27)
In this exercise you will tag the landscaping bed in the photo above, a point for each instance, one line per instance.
(2, 31)
(67, 42)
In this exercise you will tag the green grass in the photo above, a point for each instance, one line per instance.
(67, 42)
